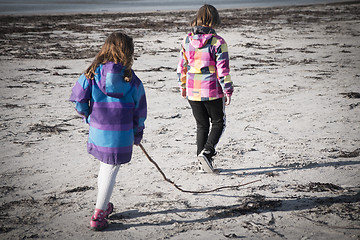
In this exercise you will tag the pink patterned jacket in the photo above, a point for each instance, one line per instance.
(203, 68)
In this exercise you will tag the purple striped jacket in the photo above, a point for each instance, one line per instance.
(115, 111)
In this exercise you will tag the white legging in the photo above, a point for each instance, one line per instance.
(106, 182)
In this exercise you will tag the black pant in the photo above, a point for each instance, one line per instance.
(204, 111)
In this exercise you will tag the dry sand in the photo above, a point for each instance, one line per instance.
(293, 124)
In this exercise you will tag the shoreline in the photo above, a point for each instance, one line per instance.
(106, 12)
(38, 28)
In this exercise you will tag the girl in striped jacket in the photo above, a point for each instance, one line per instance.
(111, 98)
(203, 72)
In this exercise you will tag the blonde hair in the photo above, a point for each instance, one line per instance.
(118, 48)
(207, 16)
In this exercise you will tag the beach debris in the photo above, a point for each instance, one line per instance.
(6, 189)
(31, 81)
(61, 67)
(249, 204)
(255, 128)
(346, 154)
(190, 191)
(5, 229)
(261, 228)
(163, 130)
(351, 94)
(16, 203)
(157, 69)
(42, 128)
(79, 189)
(178, 115)
(44, 70)
(354, 105)
(316, 187)
(272, 174)
(16, 86)
(11, 106)
(344, 206)
(232, 235)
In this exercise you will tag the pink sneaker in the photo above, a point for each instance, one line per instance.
(109, 210)
(98, 221)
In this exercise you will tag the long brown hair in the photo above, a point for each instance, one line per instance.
(207, 16)
(118, 48)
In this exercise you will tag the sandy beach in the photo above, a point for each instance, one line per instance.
(293, 124)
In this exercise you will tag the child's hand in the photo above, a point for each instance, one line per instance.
(183, 92)
(227, 100)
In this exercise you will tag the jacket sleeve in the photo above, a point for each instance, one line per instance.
(81, 95)
(182, 68)
(223, 68)
(140, 111)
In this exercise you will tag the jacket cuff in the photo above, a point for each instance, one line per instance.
(138, 138)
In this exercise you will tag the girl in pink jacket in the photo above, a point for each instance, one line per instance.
(205, 81)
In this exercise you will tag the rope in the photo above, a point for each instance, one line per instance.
(189, 191)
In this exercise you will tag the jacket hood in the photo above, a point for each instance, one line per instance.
(200, 36)
(110, 79)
